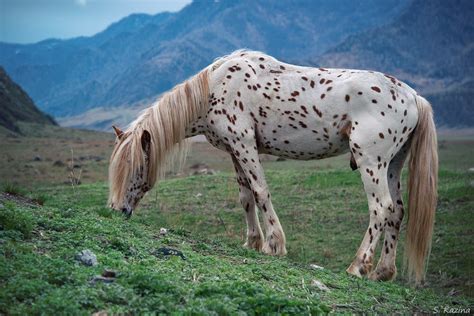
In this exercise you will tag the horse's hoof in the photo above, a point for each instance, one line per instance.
(275, 244)
(254, 242)
(274, 249)
(274, 252)
(383, 274)
(352, 270)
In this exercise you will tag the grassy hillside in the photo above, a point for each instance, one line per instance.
(39, 272)
(321, 205)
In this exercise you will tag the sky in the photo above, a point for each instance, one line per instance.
(29, 21)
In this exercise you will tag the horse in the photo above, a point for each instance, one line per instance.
(249, 103)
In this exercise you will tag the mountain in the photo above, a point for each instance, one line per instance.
(430, 46)
(141, 56)
(16, 106)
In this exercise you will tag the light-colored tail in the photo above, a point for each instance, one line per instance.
(422, 192)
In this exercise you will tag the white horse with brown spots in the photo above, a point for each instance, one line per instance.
(249, 103)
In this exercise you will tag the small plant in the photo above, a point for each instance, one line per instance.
(12, 218)
(12, 188)
(40, 199)
(74, 178)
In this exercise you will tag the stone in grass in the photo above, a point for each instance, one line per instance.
(315, 267)
(109, 273)
(108, 276)
(168, 252)
(87, 257)
(320, 285)
(99, 278)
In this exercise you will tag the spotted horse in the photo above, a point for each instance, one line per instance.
(249, 103)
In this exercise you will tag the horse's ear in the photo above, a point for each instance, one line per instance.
(117, 131)
(146, 141)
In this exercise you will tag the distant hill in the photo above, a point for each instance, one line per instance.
(94, 81)
(141, 56)
(430, 46)
(16, 106)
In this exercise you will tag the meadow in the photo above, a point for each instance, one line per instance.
(321, 205)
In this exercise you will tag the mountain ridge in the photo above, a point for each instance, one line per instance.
(426, 44)
(17, 106)
(430, 46)
(117, 67)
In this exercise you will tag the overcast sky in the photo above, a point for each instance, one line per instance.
(28, 21)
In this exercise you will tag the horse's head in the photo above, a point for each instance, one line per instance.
(130, 176)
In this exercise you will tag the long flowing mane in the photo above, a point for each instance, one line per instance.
(166, 122)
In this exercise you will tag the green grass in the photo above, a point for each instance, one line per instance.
(324, 215)
(321, 204)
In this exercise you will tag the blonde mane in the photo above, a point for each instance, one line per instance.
(166, 121)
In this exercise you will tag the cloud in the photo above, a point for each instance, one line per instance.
(82, 3)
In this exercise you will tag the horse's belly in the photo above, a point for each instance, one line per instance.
(297, 142)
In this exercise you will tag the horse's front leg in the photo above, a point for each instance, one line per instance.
(254, 232)
(245, 155)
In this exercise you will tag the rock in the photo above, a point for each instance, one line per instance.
(320, 285)
(204, 171)
(109, 274)
(96, 158)
(198, 195)
(58, 163)
(87, 257)
(168, 252)
(198, 166)
(315, 266)
(99, 278)
(37, 158)
(163, 231)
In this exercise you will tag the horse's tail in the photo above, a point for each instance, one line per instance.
(422, 192)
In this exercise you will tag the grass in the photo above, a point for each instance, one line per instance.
(40, 275)
(321, 205)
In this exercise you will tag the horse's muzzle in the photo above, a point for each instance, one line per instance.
(127, 212)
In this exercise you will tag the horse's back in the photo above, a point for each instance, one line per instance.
(300, 112)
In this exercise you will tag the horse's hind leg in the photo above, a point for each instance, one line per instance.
(379, 200)
(370, 156)
(386, 268)
(254, 232)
